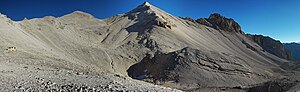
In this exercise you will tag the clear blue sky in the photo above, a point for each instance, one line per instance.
(279, 19)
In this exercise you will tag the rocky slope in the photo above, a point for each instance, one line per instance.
(199, 65)
(295, 50)
(220, 22)
(146, 43)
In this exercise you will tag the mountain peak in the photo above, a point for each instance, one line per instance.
(147, 12)
(78, 14)
(143, 7)
(3, 16)
(81, 13)
(215, 16)
(146, 4)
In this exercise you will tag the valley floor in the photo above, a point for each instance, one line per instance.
(20, 78)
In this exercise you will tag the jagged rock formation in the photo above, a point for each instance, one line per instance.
(295, 50)
(220, 22)
(145, 43)
(272, 46)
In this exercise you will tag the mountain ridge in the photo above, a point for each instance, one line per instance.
(147, 44)
(220, 22)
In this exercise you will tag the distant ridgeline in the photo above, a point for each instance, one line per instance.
(272, 46)
(295, 49)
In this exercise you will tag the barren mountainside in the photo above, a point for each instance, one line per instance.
(143, 45)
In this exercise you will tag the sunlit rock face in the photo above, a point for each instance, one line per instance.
(220, 22)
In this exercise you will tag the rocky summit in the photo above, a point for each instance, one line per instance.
(145, 49)
(220, 22)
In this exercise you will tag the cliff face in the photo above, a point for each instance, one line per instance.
(272, 46)
(220, 22)
(295, 50)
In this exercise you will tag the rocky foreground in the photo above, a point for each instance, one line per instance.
(22, 77)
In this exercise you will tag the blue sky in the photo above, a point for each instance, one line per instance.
(278, 19)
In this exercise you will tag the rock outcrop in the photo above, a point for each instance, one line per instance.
(4, 18)
(295, 50)
(220, 22)
(272, 46)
